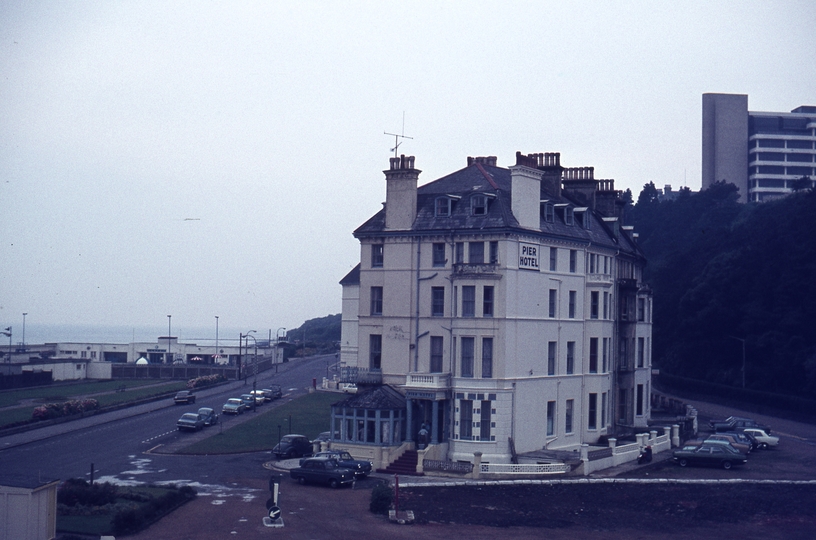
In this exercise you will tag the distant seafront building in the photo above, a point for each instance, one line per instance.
(87, 360)
(763, 153)
(499, 310)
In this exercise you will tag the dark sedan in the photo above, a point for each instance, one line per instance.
(716, 455)
(361, 468)
(184, 397)
(210, 417)
(190, 422)
(322, 471)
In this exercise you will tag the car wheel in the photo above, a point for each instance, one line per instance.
(333, 483)
(683, 462)
(301, 480)
(763, 446)
(726, 465)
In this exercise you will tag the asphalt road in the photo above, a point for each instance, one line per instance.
(118, 443)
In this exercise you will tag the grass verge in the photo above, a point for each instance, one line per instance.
(136, 390)
(64, 392)
(308, 415)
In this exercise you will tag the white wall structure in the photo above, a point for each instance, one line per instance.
(28, 509)
(509, 311)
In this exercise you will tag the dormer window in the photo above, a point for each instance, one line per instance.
(569, 217)
(549, 213)
(442, 208)
(583, 217)
(478, 205)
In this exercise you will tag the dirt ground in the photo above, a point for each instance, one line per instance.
(614, 511)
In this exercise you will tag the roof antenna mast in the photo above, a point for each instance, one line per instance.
(398, 136)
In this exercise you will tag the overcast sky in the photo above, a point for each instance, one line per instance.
(207, 159)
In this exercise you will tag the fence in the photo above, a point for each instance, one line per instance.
(527, 469)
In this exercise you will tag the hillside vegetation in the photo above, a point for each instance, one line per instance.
(723, 272)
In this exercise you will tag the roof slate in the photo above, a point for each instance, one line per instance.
(471, 180)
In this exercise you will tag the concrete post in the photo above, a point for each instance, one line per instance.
(652, 437)
(584, 452)
(477, 464)
(420, 467)
(675, 438)
(613, 443)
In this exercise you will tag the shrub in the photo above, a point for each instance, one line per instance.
(382, 496)
(67, 408)
(76, 491)
(205, 380)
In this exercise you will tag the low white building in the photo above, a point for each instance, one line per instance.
(28, 508)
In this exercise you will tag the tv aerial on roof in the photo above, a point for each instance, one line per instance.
(398, 136)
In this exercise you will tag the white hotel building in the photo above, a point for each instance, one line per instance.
(503, 307)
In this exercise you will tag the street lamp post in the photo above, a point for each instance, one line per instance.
(743, 359)
(169, 333)
(216, 358)
(24, 316)
(277, 346)
(255, 364)
(7, 332)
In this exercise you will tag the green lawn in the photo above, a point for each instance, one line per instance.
(135, 390)
(309, 415)
(64, 392)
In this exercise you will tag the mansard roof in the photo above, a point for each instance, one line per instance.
(494, 183)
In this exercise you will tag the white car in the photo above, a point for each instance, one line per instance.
(763, 439)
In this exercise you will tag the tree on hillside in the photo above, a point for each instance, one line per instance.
(722, 272)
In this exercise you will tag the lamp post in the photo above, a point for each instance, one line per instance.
(278, 348)
(215, 358)
(7, 332)
(743, 359)
(169, 333)
(24, 316)
(255, 360)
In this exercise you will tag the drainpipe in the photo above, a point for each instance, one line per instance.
(416, 320)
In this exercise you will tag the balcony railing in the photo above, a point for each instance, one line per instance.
(358, 375)
(600, 278)
(436, 381)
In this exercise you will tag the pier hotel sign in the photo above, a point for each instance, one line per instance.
(529, 258)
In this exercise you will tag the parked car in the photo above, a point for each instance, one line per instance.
(762, 438)
(273, 393)
(259, 396)
(741, 436)
(735, 423)
(360, 468)
(743, 447)
(185, 396)
(190, 422)
(700, 442)
(292, 446)
(717, 455)
(322, 471)
(233, 406)
(210, 417)
(249, 401)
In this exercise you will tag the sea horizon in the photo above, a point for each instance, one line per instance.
(38, 334)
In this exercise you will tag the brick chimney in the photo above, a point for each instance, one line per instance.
(525, 191)
(401, 193)
(580, 184)
(608, 201)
